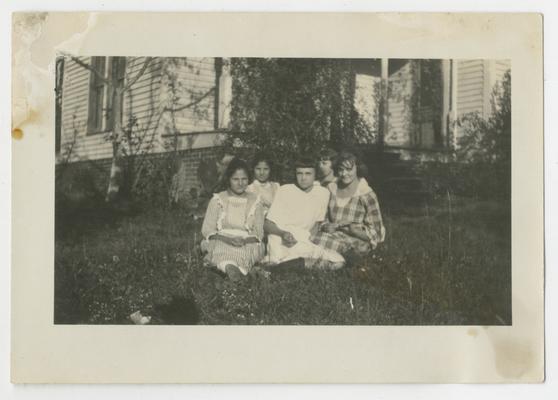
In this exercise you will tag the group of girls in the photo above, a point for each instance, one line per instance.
(234, 237)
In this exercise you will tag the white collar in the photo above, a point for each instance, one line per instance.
(362, 188)
(258, 183)
(312, 188)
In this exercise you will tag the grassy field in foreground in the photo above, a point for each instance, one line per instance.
(440, 264)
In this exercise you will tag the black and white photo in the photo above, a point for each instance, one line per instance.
(279, 191)
(277, 198)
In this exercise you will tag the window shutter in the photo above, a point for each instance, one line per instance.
(96, 94)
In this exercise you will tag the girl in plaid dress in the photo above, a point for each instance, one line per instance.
(355, 222)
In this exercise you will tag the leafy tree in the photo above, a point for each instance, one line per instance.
(483, 154)
(286, 107)
(488, 140)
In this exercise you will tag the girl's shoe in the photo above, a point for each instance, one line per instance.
(234, 273)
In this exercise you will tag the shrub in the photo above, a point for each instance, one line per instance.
(290, 106)
(482, 164)
(485, 145)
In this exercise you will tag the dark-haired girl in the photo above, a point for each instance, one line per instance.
(233, 225)
(262, 184)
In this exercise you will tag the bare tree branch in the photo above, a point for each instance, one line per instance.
(68, 150)
(88, 67)
(197, 101)
(132, 81)
(142, 163)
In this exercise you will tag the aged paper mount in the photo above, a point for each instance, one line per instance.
(43, 352)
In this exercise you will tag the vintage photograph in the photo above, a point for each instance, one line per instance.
(282, 191)
(269, 198)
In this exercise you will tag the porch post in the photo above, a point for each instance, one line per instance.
(224, 95)
(454, 87)
(488, 80)
(384, 104)
(446, 102)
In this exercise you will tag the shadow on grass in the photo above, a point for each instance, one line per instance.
(437, 267)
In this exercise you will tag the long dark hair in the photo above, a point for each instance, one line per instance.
(263, 157)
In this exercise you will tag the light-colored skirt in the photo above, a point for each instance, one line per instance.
(304, 248)
(220, 254)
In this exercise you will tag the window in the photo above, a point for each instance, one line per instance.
(96, 95)
(110, 72)
(117, 73)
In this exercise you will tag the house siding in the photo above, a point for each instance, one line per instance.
(193, 127)
(501, 66)
(75, 100)
(189, 132)
(476, 80)
(141, 101)
(195, 79)
(470, 86)
(197, 126)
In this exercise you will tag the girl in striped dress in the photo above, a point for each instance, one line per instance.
(233, 225)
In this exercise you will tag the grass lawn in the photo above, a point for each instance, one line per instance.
(442, 263)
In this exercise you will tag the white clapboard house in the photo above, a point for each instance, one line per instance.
(188, 100)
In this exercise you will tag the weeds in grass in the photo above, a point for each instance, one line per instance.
(444, 263)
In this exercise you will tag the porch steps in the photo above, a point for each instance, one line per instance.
(396, 180)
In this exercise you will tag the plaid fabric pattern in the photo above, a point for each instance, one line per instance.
(363, 210)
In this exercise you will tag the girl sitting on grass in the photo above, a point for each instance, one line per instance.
(233, 225)
(355, 223)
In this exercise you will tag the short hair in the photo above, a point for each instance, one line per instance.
(347, 157)
(236, 164)
(305, 162)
